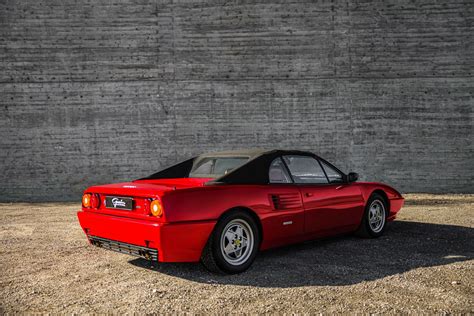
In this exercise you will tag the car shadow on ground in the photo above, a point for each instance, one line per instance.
(343, 260)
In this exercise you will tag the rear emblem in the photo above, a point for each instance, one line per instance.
(118, 202)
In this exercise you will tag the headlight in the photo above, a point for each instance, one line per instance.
(156, 208)
(86, 200)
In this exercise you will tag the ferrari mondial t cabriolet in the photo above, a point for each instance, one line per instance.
(222, 208)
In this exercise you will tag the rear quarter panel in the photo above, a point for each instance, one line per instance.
(208, 203)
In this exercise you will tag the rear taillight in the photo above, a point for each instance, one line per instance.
(156, 208)
(86, 200)
(95, 200)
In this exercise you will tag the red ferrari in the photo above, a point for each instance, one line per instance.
(222, 208)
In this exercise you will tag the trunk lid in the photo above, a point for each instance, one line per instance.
(140, 192)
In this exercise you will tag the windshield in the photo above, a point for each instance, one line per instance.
(215, 167)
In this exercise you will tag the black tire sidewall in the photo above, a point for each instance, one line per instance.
(216, 251)
(366, 215)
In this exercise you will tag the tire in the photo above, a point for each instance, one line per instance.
(233, 244)
(374, 221)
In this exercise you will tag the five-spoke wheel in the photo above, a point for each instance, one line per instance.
(233, 244)
(375, 217)
(237, 241)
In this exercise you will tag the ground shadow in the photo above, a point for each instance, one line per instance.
(343, 260)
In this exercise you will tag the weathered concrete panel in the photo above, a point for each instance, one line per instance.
(99, 92)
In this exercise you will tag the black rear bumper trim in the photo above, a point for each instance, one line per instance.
(129, 249)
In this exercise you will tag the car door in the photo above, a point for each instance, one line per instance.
(285, 223)
(331, 205)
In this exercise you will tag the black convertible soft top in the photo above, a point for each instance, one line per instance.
(254, 171)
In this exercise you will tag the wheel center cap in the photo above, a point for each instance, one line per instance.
(237, 242)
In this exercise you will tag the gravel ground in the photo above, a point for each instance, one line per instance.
(424, 263)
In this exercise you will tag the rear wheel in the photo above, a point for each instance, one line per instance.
(233, 245)
(374, 220)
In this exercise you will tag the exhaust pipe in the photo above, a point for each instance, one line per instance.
(145, 254)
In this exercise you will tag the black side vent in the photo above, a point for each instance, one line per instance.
(286, 201)
(275, 201)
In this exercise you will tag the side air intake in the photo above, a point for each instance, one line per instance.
(286, 201)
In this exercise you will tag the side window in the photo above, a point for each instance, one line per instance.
(277, 172)
(305, 169)
(333, 175)
(204, 168)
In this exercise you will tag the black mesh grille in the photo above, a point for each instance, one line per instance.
(133, 250)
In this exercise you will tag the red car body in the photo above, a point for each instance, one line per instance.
(285, 213)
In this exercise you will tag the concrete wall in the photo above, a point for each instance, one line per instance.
(101, 91)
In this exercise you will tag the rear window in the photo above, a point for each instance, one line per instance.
(215, 167)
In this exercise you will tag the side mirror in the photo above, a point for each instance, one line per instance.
(352, 177)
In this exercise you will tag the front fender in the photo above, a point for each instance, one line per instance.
(395, 199)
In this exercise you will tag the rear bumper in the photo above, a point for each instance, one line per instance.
(180, 242)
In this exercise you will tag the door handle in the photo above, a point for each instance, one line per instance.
(308, 194)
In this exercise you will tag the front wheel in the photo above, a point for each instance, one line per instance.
(374, 220)
(233, 245)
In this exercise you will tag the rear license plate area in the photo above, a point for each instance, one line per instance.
(119, 203)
